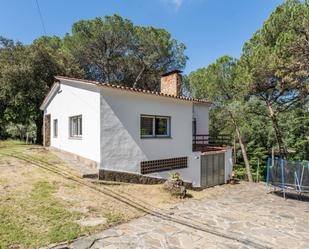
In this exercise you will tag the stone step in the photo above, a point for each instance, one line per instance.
(91, 176)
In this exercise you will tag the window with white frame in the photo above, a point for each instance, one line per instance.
(155, 126)
(55, 126)
(75, 126)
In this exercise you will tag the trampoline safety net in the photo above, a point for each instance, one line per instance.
(288, 175)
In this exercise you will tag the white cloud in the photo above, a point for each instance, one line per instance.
(175, 3)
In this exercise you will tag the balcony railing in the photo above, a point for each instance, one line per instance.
(206, 142)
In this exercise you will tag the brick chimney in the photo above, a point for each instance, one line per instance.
(171, 83)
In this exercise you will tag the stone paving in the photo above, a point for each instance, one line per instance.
(233, 216)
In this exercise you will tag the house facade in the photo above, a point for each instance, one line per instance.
(121, 130)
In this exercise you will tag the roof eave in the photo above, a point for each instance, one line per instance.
(51, 93)
(107, 85)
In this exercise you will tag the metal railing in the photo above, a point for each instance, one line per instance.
(206, 142)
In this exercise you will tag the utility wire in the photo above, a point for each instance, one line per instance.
(41, 17)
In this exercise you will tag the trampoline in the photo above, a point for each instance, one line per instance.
(288, 175)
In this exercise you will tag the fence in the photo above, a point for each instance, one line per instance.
(206, 142)
(288, 175)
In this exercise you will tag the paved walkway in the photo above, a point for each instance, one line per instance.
(233, 216)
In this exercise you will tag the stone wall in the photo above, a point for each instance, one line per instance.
(171, 84)
(117, 176)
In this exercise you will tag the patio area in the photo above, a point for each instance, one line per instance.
(230, 216)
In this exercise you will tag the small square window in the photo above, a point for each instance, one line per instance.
(75, 126)
(155, 126)
(55, 126)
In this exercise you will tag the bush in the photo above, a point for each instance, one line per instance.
(175, 185)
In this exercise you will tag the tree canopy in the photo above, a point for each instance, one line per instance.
(113, 50)
(266, 89)
(109, 49)
(260, 98)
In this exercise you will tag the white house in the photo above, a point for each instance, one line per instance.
(133, 134)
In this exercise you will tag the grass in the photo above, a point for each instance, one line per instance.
(38, 207)
(37, 218)
(11, 146)
(35, 205)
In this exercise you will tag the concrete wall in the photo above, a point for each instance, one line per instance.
(122, 148)
(228, 164)
(191, 174)
(111, 128)
(201, 114)
(70, 101)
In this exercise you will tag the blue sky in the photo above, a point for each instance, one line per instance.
(209, 28)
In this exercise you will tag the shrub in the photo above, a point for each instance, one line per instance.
(175, 185)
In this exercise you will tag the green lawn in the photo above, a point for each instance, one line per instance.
(11, 146)
(38, 207)
(35, 205)
(37, 218)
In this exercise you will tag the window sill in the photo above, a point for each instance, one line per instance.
(76, 138)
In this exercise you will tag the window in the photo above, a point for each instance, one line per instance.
(155, 126)
(75, 126)
(55, 123)
(194, 126)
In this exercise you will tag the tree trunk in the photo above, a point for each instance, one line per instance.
(272, 157)
(243, 150)
(235, 153)
(278, 134)
(139, 76)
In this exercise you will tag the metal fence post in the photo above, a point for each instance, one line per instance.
(267, 173)
(282, 176)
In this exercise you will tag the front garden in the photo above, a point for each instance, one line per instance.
(39, 207)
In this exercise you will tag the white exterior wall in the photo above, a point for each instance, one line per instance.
(190, 174)
(201, 114)
(123, 149)
(228, 164)
(71, 101)
(111, 128)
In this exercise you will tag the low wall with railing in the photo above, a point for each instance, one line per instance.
(206, 142)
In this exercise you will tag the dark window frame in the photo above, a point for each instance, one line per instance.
(76, 132)
(154, 117)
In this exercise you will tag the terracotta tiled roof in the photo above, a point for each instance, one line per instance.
(125, 88)
(132, 89)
